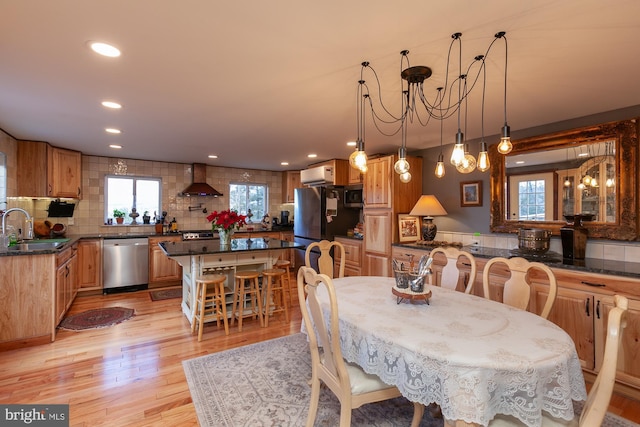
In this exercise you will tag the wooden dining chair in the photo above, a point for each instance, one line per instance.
(599, 396)
(326, 260)
(517, 290)
(352, 386)
(450, 275)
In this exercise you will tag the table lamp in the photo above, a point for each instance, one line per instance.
(427, 207)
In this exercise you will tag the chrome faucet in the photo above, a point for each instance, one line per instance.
(29, 221)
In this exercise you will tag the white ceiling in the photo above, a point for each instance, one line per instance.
(260, 82)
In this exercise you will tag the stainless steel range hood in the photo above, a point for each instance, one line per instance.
(199, 187)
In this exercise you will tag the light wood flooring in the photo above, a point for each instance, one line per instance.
(131, 374)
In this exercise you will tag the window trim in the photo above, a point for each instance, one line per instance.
(135, 178)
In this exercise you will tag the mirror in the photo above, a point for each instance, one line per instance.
(549, 176)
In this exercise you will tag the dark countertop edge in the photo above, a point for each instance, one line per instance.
(290, 245)
(359, 239)
(589, 265)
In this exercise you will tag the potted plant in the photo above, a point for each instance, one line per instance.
(118, 215)
(146, 219)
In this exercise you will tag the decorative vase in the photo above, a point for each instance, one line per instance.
(225, 237)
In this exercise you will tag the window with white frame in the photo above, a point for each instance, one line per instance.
(127, 192)
(245, 196)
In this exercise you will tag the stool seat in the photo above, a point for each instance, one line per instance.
(210, 302)
(286, 264)
(273, 293)
(246, 285)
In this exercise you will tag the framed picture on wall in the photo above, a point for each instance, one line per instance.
(408, 228)
(471, 193)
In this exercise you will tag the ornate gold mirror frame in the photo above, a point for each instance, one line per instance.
(626, 135)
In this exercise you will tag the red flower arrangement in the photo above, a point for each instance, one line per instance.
(226, 220)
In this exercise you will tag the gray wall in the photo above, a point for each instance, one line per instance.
(447, 189)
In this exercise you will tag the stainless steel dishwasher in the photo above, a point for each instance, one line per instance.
(125, 264)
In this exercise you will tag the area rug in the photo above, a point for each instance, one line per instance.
(97, 318)
(266, 384)
(163, 294)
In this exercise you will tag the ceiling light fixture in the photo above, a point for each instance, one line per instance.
(483, 156)
(358, 159)
(440, 164)
(505, 146)
(312, 156)
(113, 130)
(402, 166)
(115, 146)
(212, 156)
(105, 49)
(111, 104)
(417, 106)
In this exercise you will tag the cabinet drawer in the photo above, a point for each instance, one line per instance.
(222, 260)
(252, 258)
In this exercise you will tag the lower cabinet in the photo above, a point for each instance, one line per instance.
(66, 281)
(90, 264)
(378, 228)
(352, 259)
(163, 271)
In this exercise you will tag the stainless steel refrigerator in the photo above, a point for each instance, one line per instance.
(320, 214)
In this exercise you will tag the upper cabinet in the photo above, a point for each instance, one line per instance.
(46, 171)
(290, 181)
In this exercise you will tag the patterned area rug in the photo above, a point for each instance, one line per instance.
(266, 384)
(163, 294)
(98, 318)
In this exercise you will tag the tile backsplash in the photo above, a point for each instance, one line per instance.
(600, 249)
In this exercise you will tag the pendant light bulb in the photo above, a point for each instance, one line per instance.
(468, 163)
(440, 167)
(581, 186)
(587, 179)
(405, 177)
(457, 156)
(567, 183)
(594, 182)
(358, 159)
(505, 146)
(610, 182)
(402, 165)
(483, 158)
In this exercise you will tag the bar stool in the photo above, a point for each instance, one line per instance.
(246, 284)
(210, 303)
(285, 264)
(273, 293)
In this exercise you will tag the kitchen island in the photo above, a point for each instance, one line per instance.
(200, 257)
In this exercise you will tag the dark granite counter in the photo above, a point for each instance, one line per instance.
(203, 247)
(553, 260)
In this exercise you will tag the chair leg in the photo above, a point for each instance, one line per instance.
(223, 303)
(258, 300)
(203, 292)
(194, 309)
(418, 413)
(314, 401)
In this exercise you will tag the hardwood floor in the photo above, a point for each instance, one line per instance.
(131, 374)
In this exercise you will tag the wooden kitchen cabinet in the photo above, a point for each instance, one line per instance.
(352, 257)
(46, 171)
(66, 281)
(377, 242)
(355, 176)
(90, 264)
(290, 181)
(163, 271)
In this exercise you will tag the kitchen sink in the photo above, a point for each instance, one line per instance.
(39, 245)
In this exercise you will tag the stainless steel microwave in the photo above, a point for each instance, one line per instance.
(353, 196)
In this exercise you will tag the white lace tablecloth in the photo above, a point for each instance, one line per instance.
(472, 356)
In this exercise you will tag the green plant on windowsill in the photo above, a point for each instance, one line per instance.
(117, 213)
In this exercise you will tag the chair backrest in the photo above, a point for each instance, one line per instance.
(516, 289)
(325, 261)
(450, 273)
(600, 394)
(331, 367)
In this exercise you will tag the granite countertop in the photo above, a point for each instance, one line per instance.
(553, 260)
(204, 247)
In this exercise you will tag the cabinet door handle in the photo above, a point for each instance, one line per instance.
(586, 306)
(598, 309)
(601, 285)
(79, 191)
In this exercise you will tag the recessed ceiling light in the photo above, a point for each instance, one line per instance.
(212, 156)
(284, 163)
(105, 49)
(111, 104)
(112, 130)
(116, 146)
(312, 156)
(520, 162)
(583, 154)
(351, 144)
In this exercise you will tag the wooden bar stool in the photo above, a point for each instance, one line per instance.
(273, 293)
(246, 284)
(210, 302)
(285, 265)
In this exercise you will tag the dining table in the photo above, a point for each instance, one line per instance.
(473, 357)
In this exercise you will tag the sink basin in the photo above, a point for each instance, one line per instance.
(37, 245)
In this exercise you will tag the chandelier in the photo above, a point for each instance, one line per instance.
(418, 107)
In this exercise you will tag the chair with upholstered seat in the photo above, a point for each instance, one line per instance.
(326, 260)
(450, 274)
(351, 385)
(517, 292)
(597, 403)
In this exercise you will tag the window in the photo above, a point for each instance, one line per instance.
(533, 199)
(127, 192)
(532, 202)
(243, 197)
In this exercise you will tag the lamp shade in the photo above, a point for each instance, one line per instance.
(428, 205)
